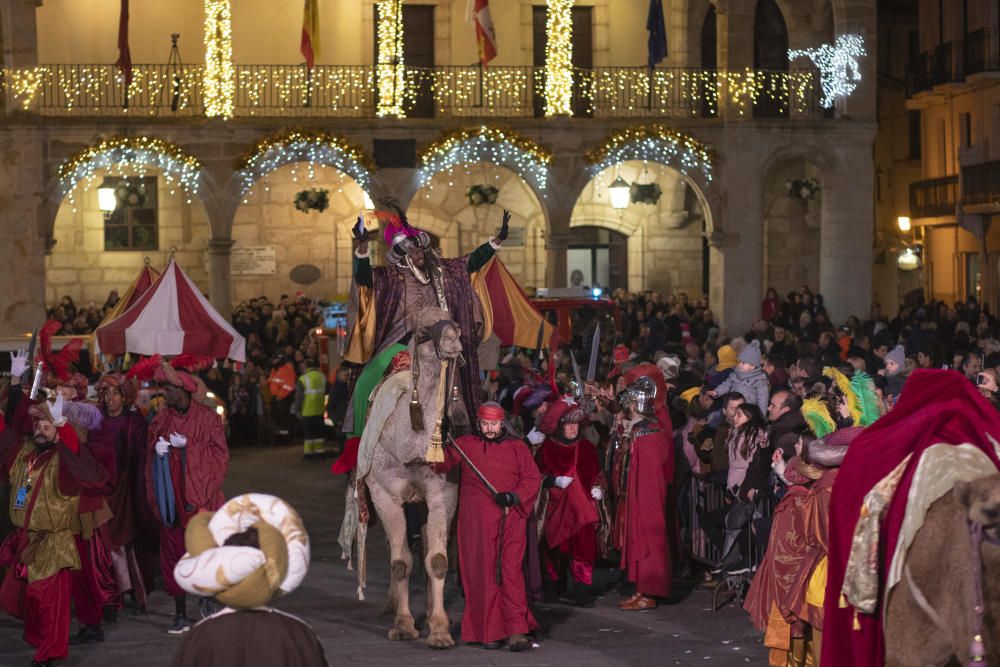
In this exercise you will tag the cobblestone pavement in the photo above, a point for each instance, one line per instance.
(683, 632)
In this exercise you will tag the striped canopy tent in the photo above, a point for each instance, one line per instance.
(147, 276)
(170, 318)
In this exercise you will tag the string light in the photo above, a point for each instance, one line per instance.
(838, 65)
(315, 147)
(559, 58)
(219, 87)
(485, 143)
(130, 156)
(390, 68)
(654, 143)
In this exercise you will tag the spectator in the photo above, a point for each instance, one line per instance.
(748, 379)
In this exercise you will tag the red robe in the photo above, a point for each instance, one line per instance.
(206, 454)
(936, 407)
(643, 469)
(494, 612)
(571, 514)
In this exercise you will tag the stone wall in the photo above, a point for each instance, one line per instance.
(79, 267)
(322, 239)
(791, 231)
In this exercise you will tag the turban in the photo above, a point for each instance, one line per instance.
(125, 385)
(244, 577)
(561, 412)
(52, 413)
(167, 374)
(490, 411)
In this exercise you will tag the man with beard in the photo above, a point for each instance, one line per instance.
(571, 473)
(383, 300)
(186, 459)
(492, 531)
(641, 471)
(47, 474)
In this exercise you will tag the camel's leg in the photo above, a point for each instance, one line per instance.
(440, 507)
(390, 511)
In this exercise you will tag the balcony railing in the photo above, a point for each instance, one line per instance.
(982, 51)
(981, 183)
(444, 92)
(934, 197)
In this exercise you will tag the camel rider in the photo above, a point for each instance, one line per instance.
(383, 300)
(310, 395)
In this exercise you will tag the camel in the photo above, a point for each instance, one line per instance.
(392, 463)
(940, 568)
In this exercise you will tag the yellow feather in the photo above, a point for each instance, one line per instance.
(847, 390)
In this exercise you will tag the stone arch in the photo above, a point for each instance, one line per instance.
(667, 242)
(441, 207)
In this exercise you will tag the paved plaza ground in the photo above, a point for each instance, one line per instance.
(684, 632)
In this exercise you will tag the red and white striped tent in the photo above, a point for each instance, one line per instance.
(170, 318)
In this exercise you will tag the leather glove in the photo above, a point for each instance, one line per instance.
(536, 437)
(504, 227)
(505, 499)
(162, 447)
(563, 481)
(361, 232)
(178, 440)
(18, 363)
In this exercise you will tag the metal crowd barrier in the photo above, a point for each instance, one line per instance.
(705, 496)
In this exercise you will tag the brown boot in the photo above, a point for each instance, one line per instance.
(639, 603)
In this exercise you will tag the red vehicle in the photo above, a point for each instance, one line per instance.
(560, 311)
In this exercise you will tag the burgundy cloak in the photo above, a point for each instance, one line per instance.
(571, 513)
(494, 611)
(122, 443)
(206, 457)
(642, 506)
(936, 407)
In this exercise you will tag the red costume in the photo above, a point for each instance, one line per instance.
(937, 407)
(197, 471)
(494, 611)
(641, 475)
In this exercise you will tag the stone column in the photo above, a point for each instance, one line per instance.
(220, 289)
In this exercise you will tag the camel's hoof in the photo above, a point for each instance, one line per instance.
(403, 634)
(440, 640)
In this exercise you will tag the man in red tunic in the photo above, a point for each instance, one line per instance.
(186, 459)
(571, 473)
(641, 472)
(492, 531)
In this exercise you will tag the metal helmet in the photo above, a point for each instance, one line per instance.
(643, 392)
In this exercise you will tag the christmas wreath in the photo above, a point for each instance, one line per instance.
(312, 199)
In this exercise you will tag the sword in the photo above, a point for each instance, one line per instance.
(595, 349)
(576, 373)
(538, 345)
(26, 376)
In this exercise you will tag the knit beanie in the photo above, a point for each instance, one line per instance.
(751, 354)
(898, 355)
(727, 358)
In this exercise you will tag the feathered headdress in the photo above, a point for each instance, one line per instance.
(144, 368)
(816, 414)
(844, 385)
(191, 363)
(58, 363)
(864, 389)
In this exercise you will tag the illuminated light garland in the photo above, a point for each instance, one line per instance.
(559, 58)
(838, 66)
(485, 143)
(314, 147)
(391, 70)
(220, 81)
(652, 143)
(131, 156)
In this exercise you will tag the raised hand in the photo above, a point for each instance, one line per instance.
(361, 233)
(18, 363)
(504, 227)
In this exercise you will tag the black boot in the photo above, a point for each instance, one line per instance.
(550, 592)
(87, 634)
(583, 594)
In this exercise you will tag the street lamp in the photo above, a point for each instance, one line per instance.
(904, 223)
(619, 191)
(106, 199)
(908, 260)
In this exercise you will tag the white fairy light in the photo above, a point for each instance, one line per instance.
(486, 144)
(838, 66)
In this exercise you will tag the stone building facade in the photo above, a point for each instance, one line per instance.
(727, 238)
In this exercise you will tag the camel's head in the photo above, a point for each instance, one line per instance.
(436, 327)
(982, 498)
(449, 342)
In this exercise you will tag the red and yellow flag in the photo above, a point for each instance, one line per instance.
(507, 310)
(486, 36)
(310, 32)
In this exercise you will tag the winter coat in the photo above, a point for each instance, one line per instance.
(753, 385)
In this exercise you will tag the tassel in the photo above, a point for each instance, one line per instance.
(416, 412)
(435, 452)
(857, 624)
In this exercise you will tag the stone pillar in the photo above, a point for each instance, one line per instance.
(555, 266)
(220, 289)
(734, 47)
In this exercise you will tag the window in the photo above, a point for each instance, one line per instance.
(770, 53)
(965, 124)
(132, 225)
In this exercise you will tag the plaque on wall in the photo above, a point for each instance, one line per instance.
(515, 237)
(254, 260)
(305, 274)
